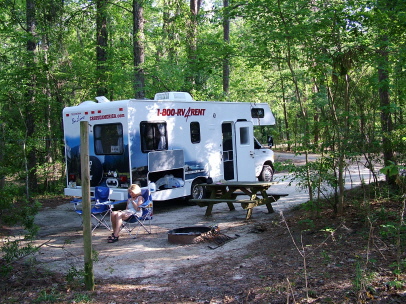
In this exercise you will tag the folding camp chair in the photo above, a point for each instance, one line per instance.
(100, 207)
(136, 222)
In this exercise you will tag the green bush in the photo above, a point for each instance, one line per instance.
(15, 209)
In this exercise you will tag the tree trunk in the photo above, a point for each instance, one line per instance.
(192, 45)
(285, 111)
(2, 145)
(30, 97)
(386, 118)
(303, 112)
(101, 47)
(226, 61)
(139, 51)
(170, 36)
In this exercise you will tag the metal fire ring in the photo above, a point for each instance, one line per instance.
(188, 235)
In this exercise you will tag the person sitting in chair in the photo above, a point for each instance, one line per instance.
(133, 204)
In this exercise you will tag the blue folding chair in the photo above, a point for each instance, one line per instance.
(100, 207)
(136, 222)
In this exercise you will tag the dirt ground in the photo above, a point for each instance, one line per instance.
(283, 257)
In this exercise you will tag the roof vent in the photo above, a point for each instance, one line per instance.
(174, 96)
(87, 102)
(101, 99)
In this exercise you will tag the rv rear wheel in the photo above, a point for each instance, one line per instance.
(266, 174)
(198, 192)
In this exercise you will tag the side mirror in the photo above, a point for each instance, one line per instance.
(270, 141)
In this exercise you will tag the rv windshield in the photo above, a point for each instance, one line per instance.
(257, 144)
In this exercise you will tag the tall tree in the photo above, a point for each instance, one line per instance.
(2, 146)
(101, 47)
(139, 49)
(385, 8)
(192, 31)
(226, 59)
(31, 164)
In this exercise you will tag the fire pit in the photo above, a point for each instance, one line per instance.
(189, 235)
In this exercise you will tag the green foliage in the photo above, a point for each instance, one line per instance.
(326, 256)
(82, 298)
(47, 296)
(75, 277)
(13, 250)
(395, 284)
(95, 255)
(320, 177)
(308, 223)
(390, 230)
(392, 169)
(313, 206)
(397, 170)
(383, 214)
(362, 280)
(15, 210)
(399, 267)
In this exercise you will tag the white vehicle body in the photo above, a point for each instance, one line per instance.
(170, 144)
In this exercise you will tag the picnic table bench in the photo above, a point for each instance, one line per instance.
(228, 192)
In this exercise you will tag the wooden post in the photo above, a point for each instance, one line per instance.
(87, 225)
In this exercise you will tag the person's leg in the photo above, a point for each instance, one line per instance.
(113, 219)
(118, 222)
(115, 215)
(117, 226)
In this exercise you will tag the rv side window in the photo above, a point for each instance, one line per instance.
(244, 136)
(108, 139)
(257, 113)
(195, 132)
(153, 136)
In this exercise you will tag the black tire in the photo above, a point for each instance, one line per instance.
(197, 191)
(266, 174)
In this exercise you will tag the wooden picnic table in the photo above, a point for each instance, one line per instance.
(228, 192)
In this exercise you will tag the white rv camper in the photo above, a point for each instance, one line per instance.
(170, 144)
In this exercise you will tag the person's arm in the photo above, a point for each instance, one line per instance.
(132, 204)
(140, 201)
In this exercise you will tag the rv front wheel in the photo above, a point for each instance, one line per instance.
(198, 191)
(266, 174)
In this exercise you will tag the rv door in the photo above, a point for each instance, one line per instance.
(244, 142)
